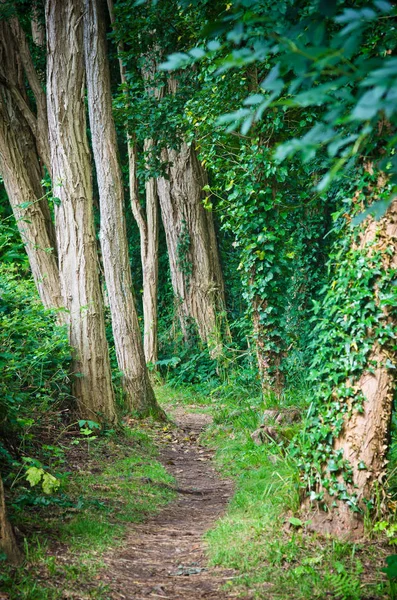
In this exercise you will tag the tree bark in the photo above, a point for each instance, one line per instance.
(8, 543)
(113, 235)
(364, 439)
(150, 267)
(71, 176)
(38, 121)
(195, 267)
(21, 171)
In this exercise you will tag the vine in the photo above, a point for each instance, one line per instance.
(353, 315)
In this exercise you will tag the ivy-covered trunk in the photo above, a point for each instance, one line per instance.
(21, 171)
(8, 543)
(113, 234)
(357, 424)
(72, 181)
(193, 254)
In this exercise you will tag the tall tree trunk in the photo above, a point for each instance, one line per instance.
(8, 544)
(71, 176)
(195, 267)
(21, 171)
(113, 235)
(38, 122)
(150, 267)
(148, 225)
(364, 439)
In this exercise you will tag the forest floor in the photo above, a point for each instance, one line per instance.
(165, 556)
(185, 510)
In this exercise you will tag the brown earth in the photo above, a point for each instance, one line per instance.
(165, 556)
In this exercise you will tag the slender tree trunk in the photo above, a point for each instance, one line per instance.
(113, 235)
(195, 267)
(364, 439)
(150, 265)
(38, 29)
(71, 176)
(148, 225)
(8, 544)
(38, 122)
(21, 171)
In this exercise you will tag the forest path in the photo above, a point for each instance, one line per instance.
(165, 556)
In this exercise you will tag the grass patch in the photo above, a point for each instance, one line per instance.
(197, 398)
(273, 557)
(111, 482)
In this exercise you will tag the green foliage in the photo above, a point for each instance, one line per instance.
(347, 322)
(114, 485)
(34, 357)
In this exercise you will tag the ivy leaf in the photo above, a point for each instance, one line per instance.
(391, 569)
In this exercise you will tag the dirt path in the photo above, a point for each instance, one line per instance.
(165, 556)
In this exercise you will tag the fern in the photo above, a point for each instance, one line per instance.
(345, 586)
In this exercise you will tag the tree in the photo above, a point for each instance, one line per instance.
(72, 181)
(146, 218)
(22, 172)
(8, 543)
(190, 234)
(113, 236)
(192, 248)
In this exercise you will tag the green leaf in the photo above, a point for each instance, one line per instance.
(50, 483)
(34, 475)
(295, 522)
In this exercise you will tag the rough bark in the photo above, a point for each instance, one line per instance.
(8, 543)
(195, 267)
(365, 436)
(21, 171)
(113, 235)
(37, 121)
(71, 176)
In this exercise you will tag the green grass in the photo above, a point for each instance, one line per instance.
(111, 483)
(272, 558)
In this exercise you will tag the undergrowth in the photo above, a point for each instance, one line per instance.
(108, 483)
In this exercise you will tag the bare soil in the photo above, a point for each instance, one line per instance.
(165, 556)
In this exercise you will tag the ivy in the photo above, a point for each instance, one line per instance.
(348, 320)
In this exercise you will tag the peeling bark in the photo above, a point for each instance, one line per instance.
(71, 176)
(113, 234)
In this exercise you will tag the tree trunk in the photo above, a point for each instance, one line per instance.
(39, 123)
(8, 544)
(113, 235)
(21, 171)
(195, 268)
(148, 225)
(364, 439)
(71, 176)
(150, 267)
